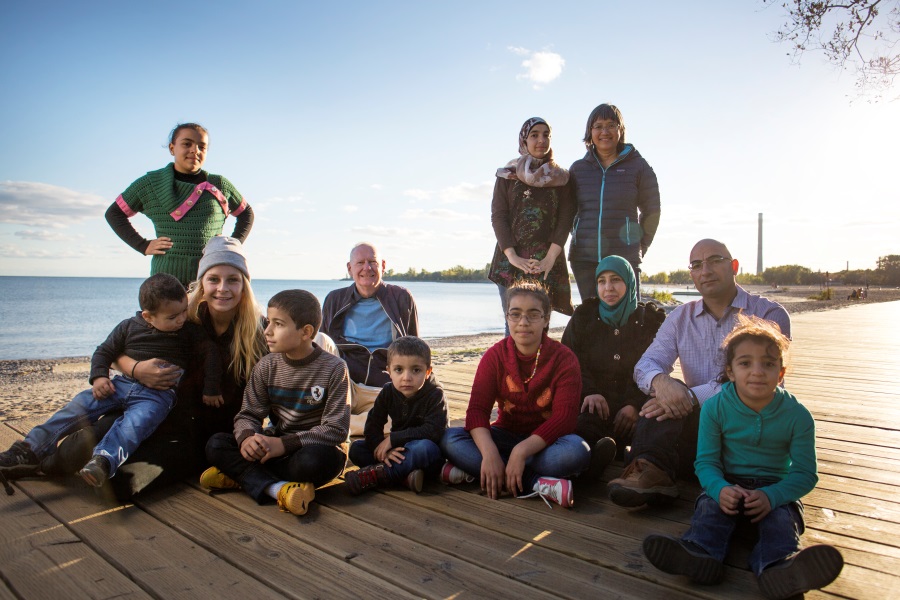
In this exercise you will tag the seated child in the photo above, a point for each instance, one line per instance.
(159, 330)
(304, 391)
(756, 457)
(415, 403)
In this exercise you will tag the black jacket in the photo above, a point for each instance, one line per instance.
(607, 355)
(422, 417)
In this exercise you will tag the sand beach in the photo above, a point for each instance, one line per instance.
(34, 387)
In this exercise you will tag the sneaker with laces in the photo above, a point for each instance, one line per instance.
(366, 478)
(451, 474)
(603, 453)
(19, 461)
(641, 483)
(96, 471)
(295, 497)
(214, 479)
(558, 490)
(810, 569)
(678, 557)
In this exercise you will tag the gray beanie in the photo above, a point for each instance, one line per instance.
(223, 250)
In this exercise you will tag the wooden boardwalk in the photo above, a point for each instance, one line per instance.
(64, 541)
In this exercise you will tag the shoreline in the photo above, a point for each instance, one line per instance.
(30, 387)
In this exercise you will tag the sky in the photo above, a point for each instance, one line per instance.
(386, 121)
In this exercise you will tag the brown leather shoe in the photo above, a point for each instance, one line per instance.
(641, 483)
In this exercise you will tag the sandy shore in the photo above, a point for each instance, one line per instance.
(31, 387)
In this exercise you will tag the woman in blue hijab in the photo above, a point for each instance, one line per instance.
(608, 334)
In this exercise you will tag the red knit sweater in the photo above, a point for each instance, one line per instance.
(546, 406)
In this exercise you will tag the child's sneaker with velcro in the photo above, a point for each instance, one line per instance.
(295, 497)
(215, 479)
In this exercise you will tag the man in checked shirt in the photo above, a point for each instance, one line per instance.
(665, 439)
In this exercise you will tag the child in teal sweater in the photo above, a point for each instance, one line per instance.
(756, 457)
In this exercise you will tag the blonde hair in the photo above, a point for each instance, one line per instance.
(247, 346)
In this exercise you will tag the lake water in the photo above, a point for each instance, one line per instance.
(53, 317)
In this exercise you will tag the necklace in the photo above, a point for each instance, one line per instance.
(537, 357)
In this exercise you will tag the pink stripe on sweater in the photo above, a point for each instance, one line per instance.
(120, 201)
(192, 200)
(240, 208)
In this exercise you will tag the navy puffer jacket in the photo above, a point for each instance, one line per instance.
(618, 207)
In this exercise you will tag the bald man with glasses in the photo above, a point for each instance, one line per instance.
(665, 440)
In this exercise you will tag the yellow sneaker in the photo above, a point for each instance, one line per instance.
(295, 497)
(214, 479)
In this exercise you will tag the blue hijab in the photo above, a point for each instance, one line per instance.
(618, 314)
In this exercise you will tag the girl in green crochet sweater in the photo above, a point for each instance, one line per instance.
(187, 206)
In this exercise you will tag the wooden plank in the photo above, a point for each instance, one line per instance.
(256, 547)
(500, 553)
(412, 566)
(41, 558)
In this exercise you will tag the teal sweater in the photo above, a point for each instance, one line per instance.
(777, 443)
(163, 199)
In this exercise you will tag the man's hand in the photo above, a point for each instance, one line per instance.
(625, 422)
(669, 399)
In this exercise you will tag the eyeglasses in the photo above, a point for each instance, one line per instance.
(710, 261)
(605, 128)
(530, 317)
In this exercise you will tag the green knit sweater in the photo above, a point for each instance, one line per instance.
(188, 214)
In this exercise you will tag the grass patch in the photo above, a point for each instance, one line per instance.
(662, 297)
(826, 294)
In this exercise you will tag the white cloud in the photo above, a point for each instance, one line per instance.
(541, 67)
(392, 232)
(376, 186)
(47, 236)
(349, 208)
(45, 205)
(299, 203)
(463, 192)
(441, 214)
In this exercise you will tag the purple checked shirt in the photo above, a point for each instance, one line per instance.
(693, 336)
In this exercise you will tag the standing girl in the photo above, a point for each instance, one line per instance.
(756, 457)
(187, 206)
(532, 213)
(536, 383)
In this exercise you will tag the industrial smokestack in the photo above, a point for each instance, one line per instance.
(759, 266)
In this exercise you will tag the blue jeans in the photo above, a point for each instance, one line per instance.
(779, 532)
(419, 454)
(315, 463)
(144, 408)
(566, 457)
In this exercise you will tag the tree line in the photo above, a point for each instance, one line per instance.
(885, 273)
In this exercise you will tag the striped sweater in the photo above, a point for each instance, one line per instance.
(308, 400)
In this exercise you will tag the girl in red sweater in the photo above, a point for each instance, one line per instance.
(536, 383)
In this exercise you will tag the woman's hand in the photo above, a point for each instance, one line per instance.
(158, 246)
(596, 404)
(493, 473)
(625, 422)
(514, 469)
(154, 373)
(528, 265)
(546, 264)
(213, 401)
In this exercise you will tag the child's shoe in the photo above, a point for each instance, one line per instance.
(558, 490)
(415, 480)
(295, 497)
(96, 471)
(19, 461)
(678, 557)
(366, 478)
(810, 569)
(214, 479)
(451, 474)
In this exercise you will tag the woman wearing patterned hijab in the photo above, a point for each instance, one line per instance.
(532, 213)
(608, 333)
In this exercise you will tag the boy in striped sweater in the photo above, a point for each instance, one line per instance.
(304, 391)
